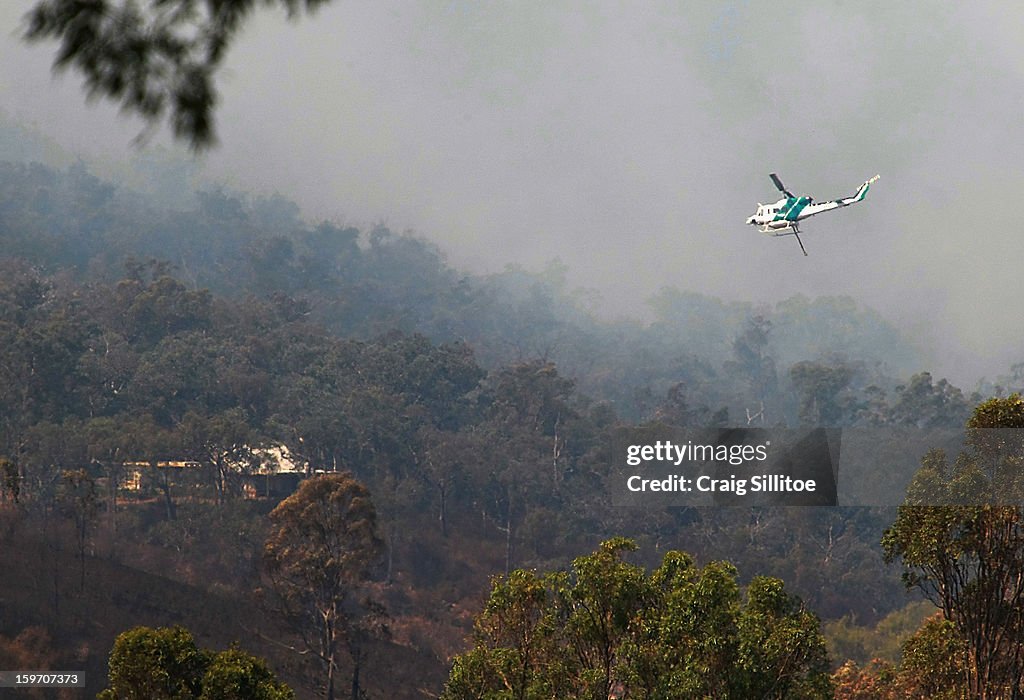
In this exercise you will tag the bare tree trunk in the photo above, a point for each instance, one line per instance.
(508, 534)
(82, 532)
(443, 515)
(392, 529)
(113, 482)
(220, 481)
(357, 663)
(556, 452)
(165, 486)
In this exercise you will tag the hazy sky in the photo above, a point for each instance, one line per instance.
(631, 140)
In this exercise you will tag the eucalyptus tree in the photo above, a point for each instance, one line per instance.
(608, 628)
(960, 539)
(154, 58)
(321, 550)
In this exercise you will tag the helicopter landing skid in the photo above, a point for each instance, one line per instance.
(788, 231)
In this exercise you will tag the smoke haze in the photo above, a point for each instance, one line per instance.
(632, 140)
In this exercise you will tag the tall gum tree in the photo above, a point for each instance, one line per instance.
(960, 539)
(322, 548)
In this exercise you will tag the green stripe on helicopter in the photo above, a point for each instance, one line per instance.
(864, 191)
(792, 208)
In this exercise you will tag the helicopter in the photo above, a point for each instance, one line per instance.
(783, 217)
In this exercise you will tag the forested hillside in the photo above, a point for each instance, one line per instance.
(479, 411)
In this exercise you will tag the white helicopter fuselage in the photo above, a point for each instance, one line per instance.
(785, 212)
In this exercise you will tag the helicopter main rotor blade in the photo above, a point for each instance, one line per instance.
(778, 183)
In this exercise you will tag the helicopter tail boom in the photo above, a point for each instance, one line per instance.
(861, 192)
